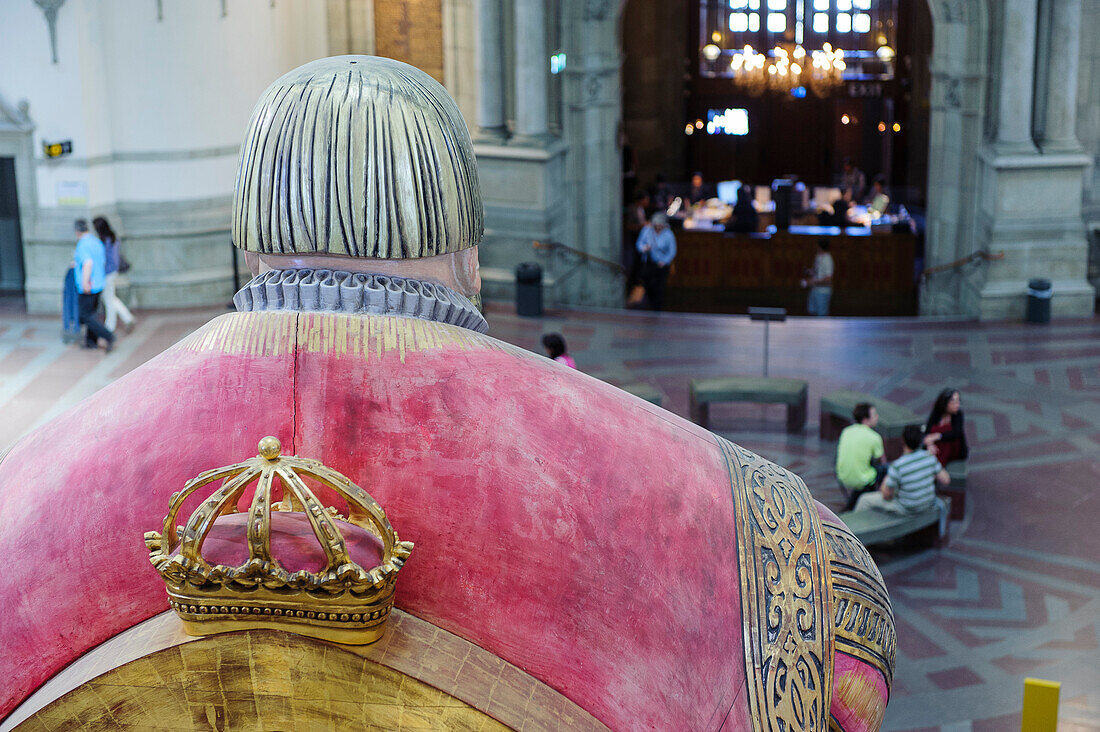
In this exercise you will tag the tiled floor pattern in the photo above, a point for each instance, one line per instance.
(1015, 594)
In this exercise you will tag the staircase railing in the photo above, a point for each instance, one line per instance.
(579, 258)
(557, 246)
(978, 256)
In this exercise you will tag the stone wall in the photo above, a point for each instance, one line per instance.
(142, 90)
(459, 50)
(1088, 128)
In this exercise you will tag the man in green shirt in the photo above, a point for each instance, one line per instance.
(860, 463)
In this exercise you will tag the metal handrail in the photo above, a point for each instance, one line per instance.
(558, 246)
(978, 256)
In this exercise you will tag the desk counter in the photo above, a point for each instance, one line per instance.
(717, 271)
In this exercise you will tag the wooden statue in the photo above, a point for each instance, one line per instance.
(632, 563)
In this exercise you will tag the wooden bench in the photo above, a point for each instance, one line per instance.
(759, 389)
(956, 491)
(645, 391)
(876, 527)
(836, 414)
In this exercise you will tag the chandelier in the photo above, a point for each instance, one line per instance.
(786, 67)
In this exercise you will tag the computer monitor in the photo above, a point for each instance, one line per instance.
(727, 191)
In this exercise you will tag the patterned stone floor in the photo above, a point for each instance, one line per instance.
(1015, 594)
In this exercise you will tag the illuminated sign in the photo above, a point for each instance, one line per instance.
(728, 122)
(57, 149)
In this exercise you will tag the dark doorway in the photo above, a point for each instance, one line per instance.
(11, 237)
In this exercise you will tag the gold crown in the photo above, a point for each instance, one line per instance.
(343, 602)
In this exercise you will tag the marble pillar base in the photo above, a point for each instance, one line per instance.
(1022, 147)
(524, 192)
(1030, 211)
(180, 253)
(1008, 300)
(1068, 145)
(491, 135)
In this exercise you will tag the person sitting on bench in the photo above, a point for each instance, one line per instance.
(860, 463)
(910, 482)
(944, 435)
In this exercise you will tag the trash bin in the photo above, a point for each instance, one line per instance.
(529, 289)
(1039, 293)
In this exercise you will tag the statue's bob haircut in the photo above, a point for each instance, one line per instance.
(357, 156)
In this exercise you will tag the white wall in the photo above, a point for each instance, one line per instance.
(155, 109)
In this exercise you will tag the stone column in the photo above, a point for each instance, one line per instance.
(1060, 133)
(1017, 72)
(490, 70)
(532, 68)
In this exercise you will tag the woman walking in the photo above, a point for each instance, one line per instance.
(112, 304)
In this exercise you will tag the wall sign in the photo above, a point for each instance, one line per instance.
(72, 193)
(57, 149)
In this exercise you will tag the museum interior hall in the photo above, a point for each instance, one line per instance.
(591, 299)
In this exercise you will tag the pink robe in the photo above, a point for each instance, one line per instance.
(576, 531)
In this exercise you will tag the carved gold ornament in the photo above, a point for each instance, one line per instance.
(342, 601)
(785, 595)
(862, 614)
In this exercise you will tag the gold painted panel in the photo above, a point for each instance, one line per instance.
(410, 647)
(411, 31)
(257, 680)
(785, 594)
(362, 336)
(862, 615)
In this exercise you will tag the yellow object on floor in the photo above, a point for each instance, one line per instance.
(1040, 706)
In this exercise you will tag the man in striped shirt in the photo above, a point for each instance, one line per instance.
(910, 481)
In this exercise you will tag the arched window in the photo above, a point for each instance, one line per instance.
(865, 29)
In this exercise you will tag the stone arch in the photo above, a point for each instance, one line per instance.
(959, 69)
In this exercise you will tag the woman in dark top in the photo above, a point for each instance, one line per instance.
(944, 435)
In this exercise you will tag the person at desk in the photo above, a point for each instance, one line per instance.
(700, 191)
(839, 215)
(852, 180)
(657, 247)
(877, 201)
(745, 219)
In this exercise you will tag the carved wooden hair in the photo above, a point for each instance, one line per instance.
(359, 156)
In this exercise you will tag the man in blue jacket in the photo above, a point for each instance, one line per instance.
(657, 247)
(90, 270)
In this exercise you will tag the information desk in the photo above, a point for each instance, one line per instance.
(724, 272)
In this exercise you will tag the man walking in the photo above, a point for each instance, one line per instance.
(657, 246)
(820, 280)
(860, 465)
(90, 270)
